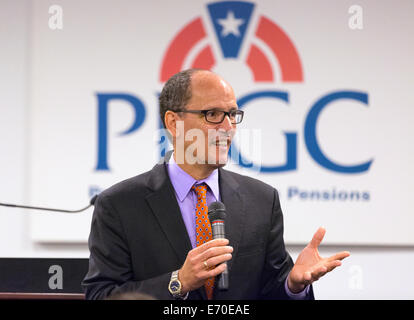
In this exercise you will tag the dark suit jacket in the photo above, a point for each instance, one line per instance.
(138, 238)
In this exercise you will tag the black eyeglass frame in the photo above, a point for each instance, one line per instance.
(225, 113)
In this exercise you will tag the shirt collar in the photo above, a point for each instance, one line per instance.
(182, 181)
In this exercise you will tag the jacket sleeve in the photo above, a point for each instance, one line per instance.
(110, 271)
(278, 261)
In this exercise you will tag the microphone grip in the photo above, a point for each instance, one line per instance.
(223, 280)
(217, 228)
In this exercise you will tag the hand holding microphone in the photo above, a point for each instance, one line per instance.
(209, 259)
(204, 262)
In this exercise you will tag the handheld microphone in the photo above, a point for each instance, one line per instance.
(91, 203)
(217, 217)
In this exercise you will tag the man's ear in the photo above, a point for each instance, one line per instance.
(170, 120)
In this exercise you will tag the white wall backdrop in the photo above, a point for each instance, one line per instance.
(49, 85)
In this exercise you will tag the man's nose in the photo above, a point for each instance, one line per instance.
(226, 124)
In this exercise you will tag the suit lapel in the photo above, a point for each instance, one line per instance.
(164, 206)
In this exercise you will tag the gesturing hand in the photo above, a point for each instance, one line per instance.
(310, 266)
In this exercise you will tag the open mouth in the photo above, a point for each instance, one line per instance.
(222, 143)
(221, 140)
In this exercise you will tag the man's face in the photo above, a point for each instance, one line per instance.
(209, 91)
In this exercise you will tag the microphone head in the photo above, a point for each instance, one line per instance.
(216, 211)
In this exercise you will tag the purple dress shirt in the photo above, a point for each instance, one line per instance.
(187, 198)
(187, 201)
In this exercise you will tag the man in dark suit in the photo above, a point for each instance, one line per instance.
(149, 233)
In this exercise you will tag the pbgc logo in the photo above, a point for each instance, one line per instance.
(233, 32)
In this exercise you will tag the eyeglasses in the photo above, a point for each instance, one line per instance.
(217, 116)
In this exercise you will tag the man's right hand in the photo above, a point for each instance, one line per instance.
(204, 262)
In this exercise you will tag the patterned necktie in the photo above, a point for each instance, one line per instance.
(203, 228)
